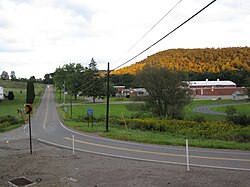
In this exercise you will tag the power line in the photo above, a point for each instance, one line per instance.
(151, 45)
(165, 35)
(150, 30)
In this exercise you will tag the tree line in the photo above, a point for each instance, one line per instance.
(12, 76)
(76, 79)
(167, 92)
(196, 60)
(240, 77)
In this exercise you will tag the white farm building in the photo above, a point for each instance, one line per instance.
(1, 93)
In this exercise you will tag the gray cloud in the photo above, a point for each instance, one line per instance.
(75, 8)
(5, 48)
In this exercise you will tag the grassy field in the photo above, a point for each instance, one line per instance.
(122, 133)
(99, 110)
(196, 103)
(240, 109)
(9, 107)
(120, 109)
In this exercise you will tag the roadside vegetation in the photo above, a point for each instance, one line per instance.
(9, 118)
(130, 122)
(133, 126)
(165, 115)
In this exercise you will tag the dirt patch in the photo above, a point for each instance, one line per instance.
(52, 166)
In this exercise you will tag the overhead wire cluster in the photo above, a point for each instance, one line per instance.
(143, 36)
(146, 49)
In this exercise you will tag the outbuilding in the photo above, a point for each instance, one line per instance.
(1, 93)
(217, 87)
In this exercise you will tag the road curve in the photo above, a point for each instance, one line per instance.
(46, 127)
(206, 109)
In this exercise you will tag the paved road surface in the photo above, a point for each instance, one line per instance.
(46, 127)
(206, 109)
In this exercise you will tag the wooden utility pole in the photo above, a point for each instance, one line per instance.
(107, 109)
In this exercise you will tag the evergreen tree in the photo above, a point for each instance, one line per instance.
(30, 92)
(94, 86)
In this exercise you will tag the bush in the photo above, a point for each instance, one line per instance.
(241, 119)
(10, 95)
(192, 129)
(8, 120)
(198, 118)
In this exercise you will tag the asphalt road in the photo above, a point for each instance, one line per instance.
(46, 127)
(206, 109)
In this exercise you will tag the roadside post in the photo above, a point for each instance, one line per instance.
(65, 113)
(21, 111)
(188, 169)
(29, 111)
(90, 114)
(73, 144)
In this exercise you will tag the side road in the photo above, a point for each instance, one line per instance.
(52, 166)
(206, 109)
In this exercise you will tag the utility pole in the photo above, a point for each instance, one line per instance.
(71, 106)
(30, 134)
(64, 95)
(107, 109)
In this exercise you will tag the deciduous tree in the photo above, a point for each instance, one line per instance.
(168, 94)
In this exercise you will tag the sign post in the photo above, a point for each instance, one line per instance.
(90, 113)
(28, 110)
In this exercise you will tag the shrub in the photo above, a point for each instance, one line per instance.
(198, 118)
(241, 119)
(8, 120)
(10, 95)
(193, 129)
(230, 110)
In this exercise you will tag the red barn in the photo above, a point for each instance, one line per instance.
(214, 87)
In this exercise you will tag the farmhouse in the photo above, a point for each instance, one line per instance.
(123, 92)
(1, 93)
(217, 87)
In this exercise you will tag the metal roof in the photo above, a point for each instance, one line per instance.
(211, 83)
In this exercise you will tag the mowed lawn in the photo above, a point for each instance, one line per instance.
(120, 109)
(9, 107)
(196, 103)
(240, 109)
(99, 110)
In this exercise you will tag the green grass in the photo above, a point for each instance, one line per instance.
(120, 132)
(9, 128)
(9, 107)
(240, 109)
(196, 103)
(99, 110)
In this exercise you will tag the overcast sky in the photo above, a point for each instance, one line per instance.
(37, 36)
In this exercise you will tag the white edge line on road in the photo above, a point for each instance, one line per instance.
(153, 146)
(115, 141)
(141, 159)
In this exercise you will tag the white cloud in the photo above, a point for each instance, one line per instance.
(38, 36)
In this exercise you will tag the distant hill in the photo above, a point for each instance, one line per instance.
(196, 60)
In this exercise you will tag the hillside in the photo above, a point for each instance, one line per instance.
(196, 60)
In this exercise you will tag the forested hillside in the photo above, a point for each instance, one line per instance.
(196, 60)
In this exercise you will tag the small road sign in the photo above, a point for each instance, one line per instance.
(90, 111)
(28, 109)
